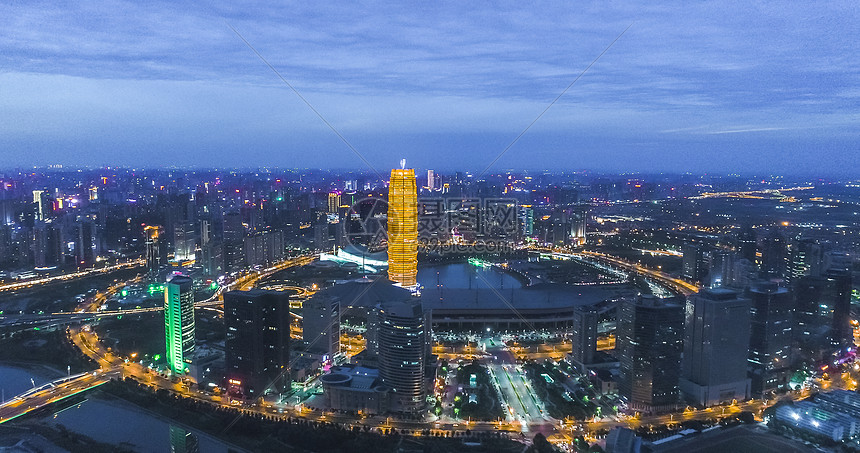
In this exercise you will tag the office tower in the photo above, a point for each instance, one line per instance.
(233, 240)
(156, 252)
(257, 348)
(264, 248)
(37, 202)
(526, 218)
(770, 336)
(431, 180)
(6, 245)
(743, 273)
(559, 229)
(746, 245)
(568, 227)
(333, 202)
(838, 295)
(693, 262)
(84, 246)
(837, 260)
(321, 325)
(42, 204)
(402, 333)
(813, 315)
(402, 226)
(773, 255)
(720, 269)
(805, 257)
(184, 242)
(578, 221)
(208, 253)
(716, 343)
(649, 344)
(584, 340)
(179, 322)
(325, 232)
(46, 245)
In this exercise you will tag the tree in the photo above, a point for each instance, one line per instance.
(746, 417)
(541, 445)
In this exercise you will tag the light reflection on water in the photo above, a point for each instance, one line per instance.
(15, 380)
(462, 276)
(116, 422)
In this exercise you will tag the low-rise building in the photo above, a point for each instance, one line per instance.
(355, 388)
(817, 421)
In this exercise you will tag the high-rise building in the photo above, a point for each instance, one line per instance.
(179, 322)
(85, 244)
(746, 245)
(805, 257)
(321, 325)
(333, 202)
(584, 340)
(207, 254)
(431, 180)
(813, 316)
(402, 226)
(402, 333)
(716, 343)
(649, 344)
(184, 241)
(42, 204)
(770, 336)
(743, 273)
(693, 262)
(720, 268)
(264, 248)
(233, 240)
(526, 219)
(578, 221)
(774, 253)
(46, 245)
(156, 252)
(567, 227)
(839, 296)
(257, 348)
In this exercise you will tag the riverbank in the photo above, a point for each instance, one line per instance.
(15, 377)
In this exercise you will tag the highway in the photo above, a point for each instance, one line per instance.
(681, 286)
(525, 415)
(71, 276)
(678, 285)
(110, 365)
(18, 406)
(91, 309)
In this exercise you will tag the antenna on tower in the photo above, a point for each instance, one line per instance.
(403, 164)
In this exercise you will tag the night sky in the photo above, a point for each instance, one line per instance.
(705, 87)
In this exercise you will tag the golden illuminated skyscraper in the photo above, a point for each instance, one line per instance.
(333, 202)
(402, 226)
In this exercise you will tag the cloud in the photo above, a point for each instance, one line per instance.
(748, 129)
(383, 69)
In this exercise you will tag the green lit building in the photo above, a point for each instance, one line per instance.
(179, 322)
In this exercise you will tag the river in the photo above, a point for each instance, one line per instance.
(118, 422)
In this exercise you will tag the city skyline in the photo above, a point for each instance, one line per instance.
(711, 88)
(381, 226)
(553, 307)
